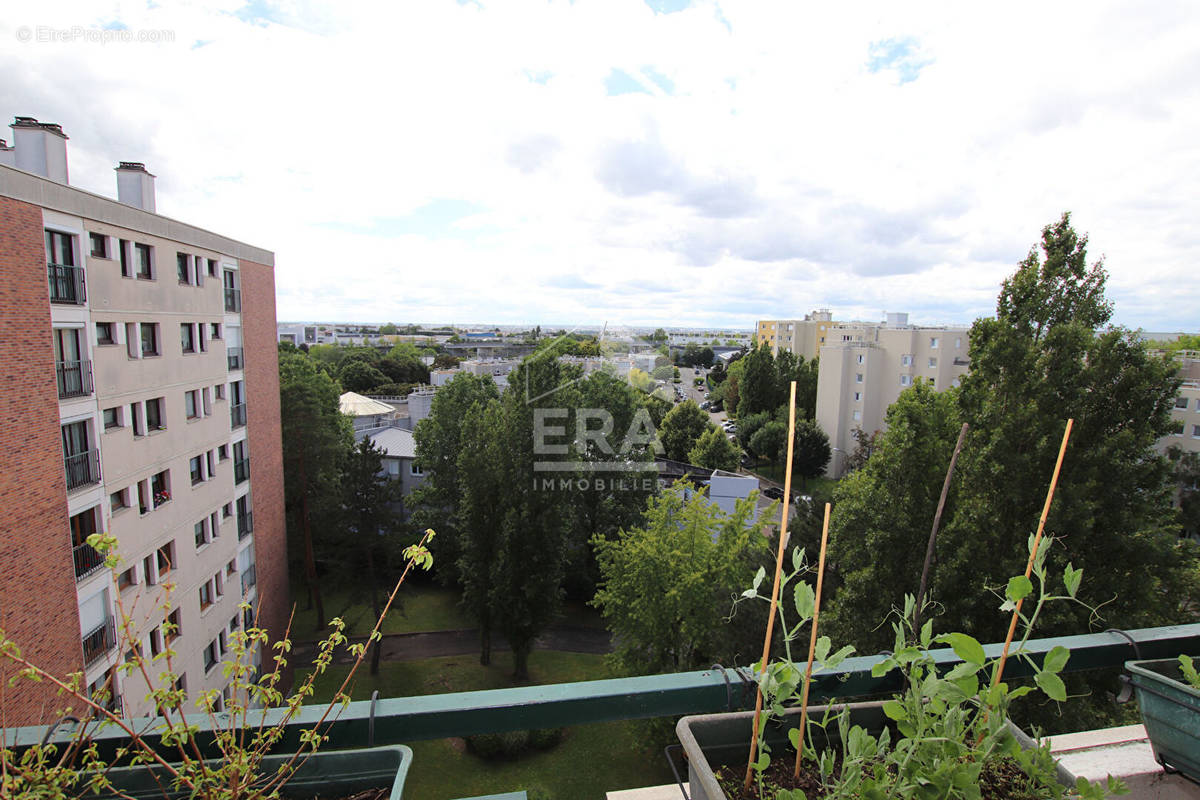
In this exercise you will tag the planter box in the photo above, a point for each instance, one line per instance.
(1171, 713)
(715, 740)
(332, 774)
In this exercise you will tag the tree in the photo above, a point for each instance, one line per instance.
(388, 329)
(404, 369)
(1187, 482)
(445, 361)
(680, 429)
(714, 451)
(659, 336)
(358, 376)
(811, 453)
(1040, 360)
(367, 494)
(439, 439)
(316, 440)
(750, 425)
(864, 445)
(668, 584)
(758, 389)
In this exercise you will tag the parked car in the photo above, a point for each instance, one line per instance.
(773, 492)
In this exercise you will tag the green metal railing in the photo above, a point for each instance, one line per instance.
(405, 719)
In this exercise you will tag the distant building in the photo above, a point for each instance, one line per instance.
(1186, 414)
(399, 459)
(804, 337)
(367, 414)
(865, 367)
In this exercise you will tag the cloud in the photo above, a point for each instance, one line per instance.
(899, 55)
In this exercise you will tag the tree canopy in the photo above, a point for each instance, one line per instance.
(681, 428)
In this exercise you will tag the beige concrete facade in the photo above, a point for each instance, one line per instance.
(146, 326)
(1186, 414)
(804, 337)
(865, 367)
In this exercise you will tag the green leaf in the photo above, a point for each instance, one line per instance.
(821, 651)
(927, 633)
(1056, 659)
(759, 577)
(797, 558)
(965, 647)
(764, 760)
(794, 737)
(895, 710)
(962, 670)
(1052, 685)
(806, 600)
(1019, 587)
(1072, 577)
(1189, 671)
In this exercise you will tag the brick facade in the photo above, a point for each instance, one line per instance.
(266, 443)
(37, 579)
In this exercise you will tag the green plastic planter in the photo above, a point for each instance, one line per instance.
(331, 774)
(1171, 713)
(714, 740)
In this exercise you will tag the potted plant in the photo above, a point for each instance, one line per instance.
(1168, 695)
(203, 753)
(944, 735)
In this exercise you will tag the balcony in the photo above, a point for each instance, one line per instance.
(233, 300)
(398, 720)
(74, 378)
(241, 471)
(234, 356)
(249, 579)
(82, 469)
(87, 560)
(245, 522)
(99, 641)
(67, 284)
(237, 415)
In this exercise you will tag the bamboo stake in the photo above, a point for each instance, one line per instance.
(1037, 539)
(812, 645)
(783, 536)
(937, 521)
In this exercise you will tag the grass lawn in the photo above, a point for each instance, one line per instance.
(419, 607)
(775, 472)
(590, 760)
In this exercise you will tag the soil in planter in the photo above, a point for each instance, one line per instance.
(1001, 779)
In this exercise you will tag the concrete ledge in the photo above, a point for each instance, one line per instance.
(1126, 753)
(668, 791)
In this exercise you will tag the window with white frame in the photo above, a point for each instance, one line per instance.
(933, 342)
(906, 380)
(858, 378)
(906, 360)
(932, 362)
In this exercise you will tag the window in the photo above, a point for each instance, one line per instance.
(218, 585)
(190, 404)
(131, 339)
(149, 339)
(210, 462)
(148, 570)
(112, 418)
(160, 487)
(231, 569)
(206, 401)
(958, 343)
(156, 642)
(126, 270)
(164, 558)
(145, 261)
(857, 415)
(906, 360)
(60, 248)
(197, 469)
(127, 578)
(119, 500)
(933, 342)
(1196, 431)
(857, 396)
(184, 266)
(155, 416)
(906, 380)
(219, 391)
(135, 418)
(99, 245)
(1182, 402)
(212, 268)
(858, 378)
(932, 362)
(227, 511)
(222, 452)
(171, 627)
(187, 337)
(1176, 427)
(202, 333)
(214, 330)
(210, 655)
(206, 595)
(861, 358)
(201, 533)
(104, 333)
(414, 468)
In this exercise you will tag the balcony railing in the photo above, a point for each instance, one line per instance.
(249, 578)
(99, 641)
(395, 720)
(233, 300)
(74, 378)
(83, 469)
(87, 560)
(241, 470)
(245, 524)
(237, 415)
(66, 284)
(234, 356)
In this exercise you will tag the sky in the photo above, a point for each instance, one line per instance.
(641, 162)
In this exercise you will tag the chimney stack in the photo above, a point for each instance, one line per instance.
(41, 148)
(135, 186)
(8, 155)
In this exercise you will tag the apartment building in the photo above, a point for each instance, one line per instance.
(865, 367)
(1186, 414)
(804, 337)
(140, 383)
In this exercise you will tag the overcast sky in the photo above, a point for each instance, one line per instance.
(675, 162)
